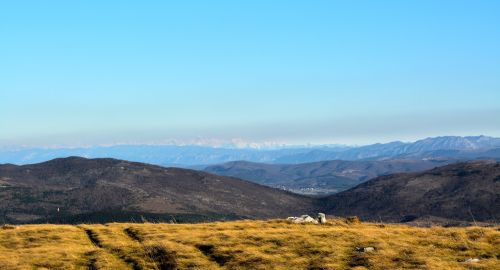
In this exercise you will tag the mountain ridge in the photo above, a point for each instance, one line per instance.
(463, 191)
(74, 186)
(79, 190)
(470, 147)
(322, 177)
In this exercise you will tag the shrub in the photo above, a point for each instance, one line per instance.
(8, 227)
(352, 220)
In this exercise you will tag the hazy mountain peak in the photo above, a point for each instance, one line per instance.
(450, 147)
(458, 143)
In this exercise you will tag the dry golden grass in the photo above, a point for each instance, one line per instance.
(247, 245)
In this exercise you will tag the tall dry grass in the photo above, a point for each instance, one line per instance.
(247, 245)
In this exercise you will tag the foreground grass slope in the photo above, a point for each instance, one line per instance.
(247, 245)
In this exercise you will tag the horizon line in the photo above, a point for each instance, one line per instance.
(230, 144)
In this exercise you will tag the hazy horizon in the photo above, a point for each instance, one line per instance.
(256, 73)
(234, 144)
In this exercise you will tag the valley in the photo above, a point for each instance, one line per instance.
(77, 190)
(320, 178)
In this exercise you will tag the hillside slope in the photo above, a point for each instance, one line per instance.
(251, 245)
(319, 177)
(463, 191)
(77, 188)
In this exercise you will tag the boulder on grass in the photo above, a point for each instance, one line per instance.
(302, 219)
(321, 218)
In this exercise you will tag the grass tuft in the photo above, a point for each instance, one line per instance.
(7, 227)
(210, 251)
(164, 259)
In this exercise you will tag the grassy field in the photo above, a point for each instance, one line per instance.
(247, 245)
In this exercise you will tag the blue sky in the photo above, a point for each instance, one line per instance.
(104, 72)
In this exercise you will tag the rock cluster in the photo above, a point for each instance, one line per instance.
(307, 219)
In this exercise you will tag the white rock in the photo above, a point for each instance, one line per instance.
(302, 219)
(321, 218)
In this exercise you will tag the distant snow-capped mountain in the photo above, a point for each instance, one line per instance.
(447, 147)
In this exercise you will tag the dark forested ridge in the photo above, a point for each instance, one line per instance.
(76, 187)
(464, 191)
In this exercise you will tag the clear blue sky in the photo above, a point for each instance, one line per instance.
(101, 72)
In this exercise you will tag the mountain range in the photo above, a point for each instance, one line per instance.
(447, 147)
(76, 190)
(323, 177)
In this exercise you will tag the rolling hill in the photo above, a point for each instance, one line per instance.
(464, 191)
(319, 177)
(77, 190)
